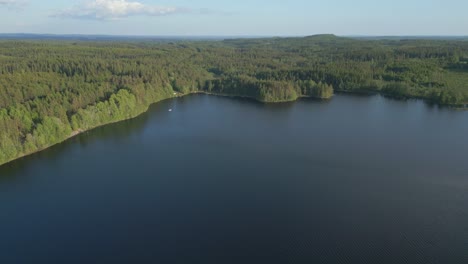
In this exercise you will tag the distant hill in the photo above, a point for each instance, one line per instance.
(410, 37)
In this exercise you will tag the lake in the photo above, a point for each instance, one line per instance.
(358, 179)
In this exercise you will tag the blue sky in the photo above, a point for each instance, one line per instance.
(241, 17)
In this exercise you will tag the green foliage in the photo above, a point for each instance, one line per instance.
(275, 91)
(52, 90)
(8, 148)
(318, 90)
(50, 131)
(397, 89)
(120, 106)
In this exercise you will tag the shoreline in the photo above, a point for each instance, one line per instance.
(81, 131)
(178, 95)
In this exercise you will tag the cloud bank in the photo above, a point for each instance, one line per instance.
(114, 9)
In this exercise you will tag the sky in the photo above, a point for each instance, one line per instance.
(235, 18)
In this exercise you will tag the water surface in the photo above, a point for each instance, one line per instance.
(219, 180)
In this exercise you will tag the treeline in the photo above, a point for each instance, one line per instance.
(50, 90)
(268, 90)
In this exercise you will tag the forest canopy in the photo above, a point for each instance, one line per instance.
(50, 90)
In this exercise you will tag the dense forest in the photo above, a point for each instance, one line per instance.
(51, 90)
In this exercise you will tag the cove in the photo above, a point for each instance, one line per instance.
(358, 179)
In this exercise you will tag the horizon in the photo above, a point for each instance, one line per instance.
(227, 35)
(214, 18)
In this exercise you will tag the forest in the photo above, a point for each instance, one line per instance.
(51, 90)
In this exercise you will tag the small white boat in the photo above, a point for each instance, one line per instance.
(170, 110)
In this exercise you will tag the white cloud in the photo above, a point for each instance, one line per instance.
(114, 9)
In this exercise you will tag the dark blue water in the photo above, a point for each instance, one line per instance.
(219, 180)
